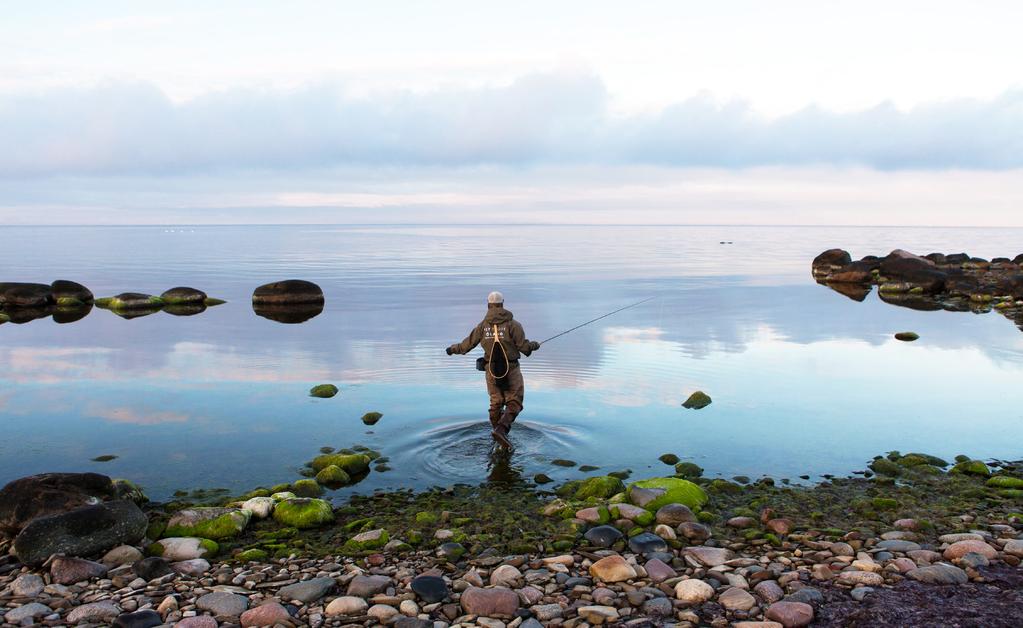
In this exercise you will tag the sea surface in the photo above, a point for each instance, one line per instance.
(804, 380)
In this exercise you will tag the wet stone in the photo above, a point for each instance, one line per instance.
(366, 586)
(603, 536)
(309, 590)
(430, 589)
(939, 573)
(139, 619)
(223, 604)
(898, 546)
(647, 542)
(152, 568)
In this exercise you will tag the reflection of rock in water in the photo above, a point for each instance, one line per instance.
(137, 312)
(288, 314)
(185, 309)
(500, 469)
(22, 315)
(64, 315)
(918, 302)
(856, 292)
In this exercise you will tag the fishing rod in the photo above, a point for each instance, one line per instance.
(597, 319)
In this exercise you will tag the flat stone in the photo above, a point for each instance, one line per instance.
(412, 622)
(736, 599)
(898, 546)
(790, 614)
(67, 570)
(658, 607)
(960, 536)
(223, 604)
(693, 591)
(598, 615)
(807, 595)
(95, 613)
(741, 522)
(260, 507)
(674, 514)
(768, 591)
(121, 555)
(192, 568)
(860, 577)
(710, 556)
(309, 590)
(842, 549)
(347, 605)
(603, 536)
(780, 526)
(961, 548)
(647, 542)
(939, 573)
(141, 619)
(152, 568)
(505, 576)
(612, 569)
(366, 586)
(1014, 548)
(268, 614)
(658, 571)
(29, 611)
(547, 612)
(757, 624)
(430, 589)
(27, 585)
(199, 621)
(860, 593)
(496, 602)
(631, 512)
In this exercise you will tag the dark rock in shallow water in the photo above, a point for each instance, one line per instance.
(22, 315)
(15, 294)
(603, 536)
(291, 291)
(697, 401)
(430, 588)
(907, 336)
(81, 532)
(856, 292)
(288, 314)
(323, 391)
(183, 295)
(152, 568)
(70, 293)
(830, 260)
(131, 301)
(27, 498)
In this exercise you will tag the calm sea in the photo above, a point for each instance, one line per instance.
(804, 380)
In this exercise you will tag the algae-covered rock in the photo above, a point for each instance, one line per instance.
(542, 478)
(907, 336)
(288, 292)
(176, 549)
(561, 462)
(70, 293)
(252, 555)
(912, 460)
(208, 523)
(724, 486)
(689, 469)
(884, 503)
(333, 475)
(307, 488)
(371, 418)
(130, 301)
(697, 401)
(884, 466)
(972, 467)
(364, 541)
(601, 487)
(352, 464)
(668, 459)
(211, 302)
(303, 512)
(676, 491)
(183, 296)
(1005, 481)
(323, 391)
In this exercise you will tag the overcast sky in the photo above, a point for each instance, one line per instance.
(669, 112)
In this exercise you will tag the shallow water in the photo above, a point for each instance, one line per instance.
(804, 380)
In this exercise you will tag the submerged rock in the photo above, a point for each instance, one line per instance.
(333, 476)
(352, 464)
(323, 391)
(64, 314)
(81, 532)
(697, 401)
(130, 301)
(601, 487)
(371, 418)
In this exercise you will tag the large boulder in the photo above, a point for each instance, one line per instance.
(25, 294)
(667, 491)
(856, 272)
(208, 523)
(34, 496)
(829, 261)
(84, 531)
(130, 301)
(903, 272)
(70, 293)
(291, 291)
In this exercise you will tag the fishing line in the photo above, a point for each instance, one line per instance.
(597, 319)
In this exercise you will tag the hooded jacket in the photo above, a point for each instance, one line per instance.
(509, 331)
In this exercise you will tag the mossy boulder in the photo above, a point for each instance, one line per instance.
(676, 491)
(884, 466)
(561, 462)
(600, 487)
(668, 459)
(130, 301)
(697, 401)
(365, 541)
(689, 469)
(70, 293)
(542, 478)
(323, 391)
(352, 464)
(252, 555)
(371, 418)
(207, 523)
(1005, 481)
(303, 512)
(184, 296)
(724, 486)
(912, 460)
(307, 488)
(972, 467)
(426, 518)
(884, 503)
(332, 475)
(907, 336)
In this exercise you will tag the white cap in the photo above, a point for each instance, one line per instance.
(495, 297)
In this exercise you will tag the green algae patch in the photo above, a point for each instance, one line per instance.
(913, 460)
(724, 486)
(884, 466)
(323, 391)
(972, 467)
(600, 487)
(303, 512)
(307, 488)
(352, 464)
(371, 540)
(697, 401)
(371, 418)
(425, 518)
(677, 491)
(207, 523)
(252, 555)
(333, 475)
(1005, 481)
(884, 503)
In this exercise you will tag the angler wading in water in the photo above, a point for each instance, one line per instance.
(503, 342)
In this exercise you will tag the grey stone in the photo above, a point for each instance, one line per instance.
(603, 536)
(307, 590)
(97, 612)
(898, 546)
(658, 607)
(31, 610)
(365, 586)
(860, 592)
(647, 542)
(81, 532)
(223, 604)
(939, 573)
(27, 585)
(807, 595)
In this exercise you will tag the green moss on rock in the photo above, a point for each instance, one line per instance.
(207, 523)
(1005, 481)
(252, 555)
(884, 503)
(600, 487)
(912, 460)
(724, 486)
(677, 491)
(302, 512)
(323, 391)
(333, 475)
(884, 466)
(307, 488)
(972, 467)
(668, 459)
(697, 401)
(352, 464)
(371, 418)
(689, 470)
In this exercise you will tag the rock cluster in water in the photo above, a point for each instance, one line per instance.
(955, 282)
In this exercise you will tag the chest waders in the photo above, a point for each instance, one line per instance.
(498, 368)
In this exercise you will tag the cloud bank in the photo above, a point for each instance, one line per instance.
(560, 119)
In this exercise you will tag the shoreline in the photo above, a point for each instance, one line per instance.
(585, 553)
